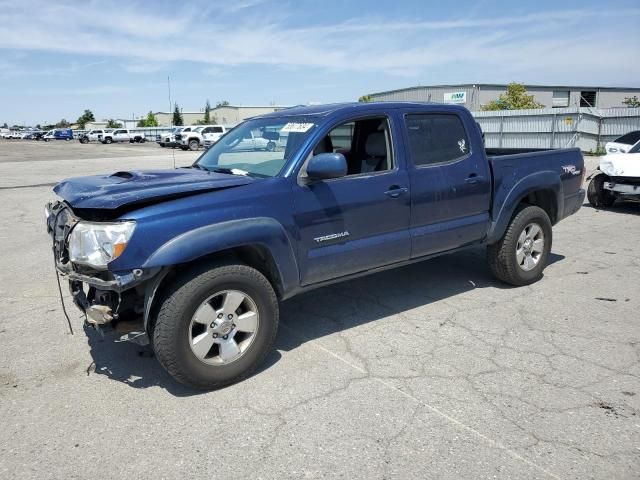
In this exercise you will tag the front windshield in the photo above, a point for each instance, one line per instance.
(635, 148)
(260, 147)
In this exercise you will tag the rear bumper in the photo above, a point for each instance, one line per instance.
(573, 203)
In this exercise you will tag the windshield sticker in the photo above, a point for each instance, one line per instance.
(296, 127)
(462, 144)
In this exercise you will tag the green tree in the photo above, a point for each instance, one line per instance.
(632, 102)
(177, 116)
(111, 123)
(365, 99)
(85, 118)
(222, 103)
(515, 98)
(4, 125)
(149, 121)
(207, 113)
(62, 124)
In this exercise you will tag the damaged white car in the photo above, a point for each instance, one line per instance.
(617, 178)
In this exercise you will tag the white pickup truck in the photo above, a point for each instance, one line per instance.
(169, 139)
(195, 137)
(123, 135)
(94, 135)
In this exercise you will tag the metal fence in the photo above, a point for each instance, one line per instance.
(586, 128)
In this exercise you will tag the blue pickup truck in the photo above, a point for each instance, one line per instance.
(201, 256)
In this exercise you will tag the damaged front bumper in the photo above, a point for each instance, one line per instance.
(111, 301)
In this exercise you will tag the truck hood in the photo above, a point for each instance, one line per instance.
(621, 165)
(142, 187)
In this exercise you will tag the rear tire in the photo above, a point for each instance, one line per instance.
(173, 334)
(596, 194)
(514, 259)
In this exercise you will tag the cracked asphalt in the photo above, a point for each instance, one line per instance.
(434, 370)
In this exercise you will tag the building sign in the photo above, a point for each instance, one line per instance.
(455, 97)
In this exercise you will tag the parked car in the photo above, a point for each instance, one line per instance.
(120, 135)
(171, 139)
(617, 178)
(195, 137)
(59, 134)
(624, 143)
(38, 135)
(94, 135)
(254, 140)
(204, 254)
(212, 134)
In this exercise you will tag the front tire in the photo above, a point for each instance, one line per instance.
(194, 145)
(216, 326)
(521, 255)
(108, 141)
(596, 194)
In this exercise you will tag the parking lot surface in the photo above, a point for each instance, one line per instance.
(434, 370)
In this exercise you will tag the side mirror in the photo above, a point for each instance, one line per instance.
(327, 165)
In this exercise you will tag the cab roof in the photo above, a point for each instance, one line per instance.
(330, 108)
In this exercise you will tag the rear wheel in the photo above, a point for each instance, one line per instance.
(521, 255)
(597, 195)
(271, 146)
(216, 326)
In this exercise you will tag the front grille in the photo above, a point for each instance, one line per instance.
(178, 137)
(626, 180)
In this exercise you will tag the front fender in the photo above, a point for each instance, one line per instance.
(507, 200)
(263, 231)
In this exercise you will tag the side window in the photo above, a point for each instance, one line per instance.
(216, 129)
(366, 145)
(436, 138)
(206, 130)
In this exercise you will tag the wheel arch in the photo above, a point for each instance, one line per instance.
(543, 190)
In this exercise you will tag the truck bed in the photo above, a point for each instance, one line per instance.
(559, 171)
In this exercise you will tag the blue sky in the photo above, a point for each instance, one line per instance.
(59, 57)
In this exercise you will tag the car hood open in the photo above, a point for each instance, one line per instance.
(142, 187)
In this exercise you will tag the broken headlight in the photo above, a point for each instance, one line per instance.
(97, 244)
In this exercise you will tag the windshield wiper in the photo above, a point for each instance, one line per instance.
(230, 171)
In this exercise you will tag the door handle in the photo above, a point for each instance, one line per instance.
(473, 178)
(395, 191)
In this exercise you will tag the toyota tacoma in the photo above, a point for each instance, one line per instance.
(200, 257)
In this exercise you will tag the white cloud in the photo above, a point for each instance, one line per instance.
(228, 34)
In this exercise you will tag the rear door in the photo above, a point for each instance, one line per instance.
(360, 221)
(450, 182)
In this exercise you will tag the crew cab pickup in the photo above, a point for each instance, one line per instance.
(93, 135)
(123, 135)
(199, 136)
(171, 139)
(201, 256)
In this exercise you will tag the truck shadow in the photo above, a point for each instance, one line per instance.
(319, 313)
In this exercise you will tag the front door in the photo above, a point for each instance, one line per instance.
(360, 221)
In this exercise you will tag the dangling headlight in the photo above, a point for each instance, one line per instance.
(97, 244)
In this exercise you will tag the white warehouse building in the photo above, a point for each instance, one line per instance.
(474, 96)
(228, 115)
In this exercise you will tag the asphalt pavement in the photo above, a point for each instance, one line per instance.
(433, 371)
